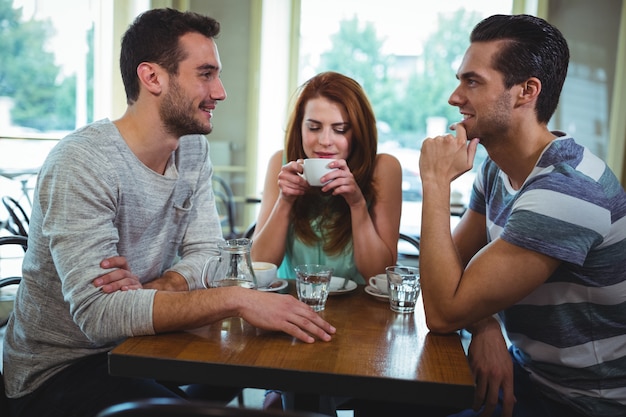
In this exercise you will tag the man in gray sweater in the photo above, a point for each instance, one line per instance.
(115, 203)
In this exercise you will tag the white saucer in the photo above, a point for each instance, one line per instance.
(373, 291)
(274, 286)
(337, 282)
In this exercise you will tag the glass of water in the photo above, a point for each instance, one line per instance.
(313, 284)
(404, 288)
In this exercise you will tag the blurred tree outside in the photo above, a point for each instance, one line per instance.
(405, 99)
(356, 52)
(43, 98)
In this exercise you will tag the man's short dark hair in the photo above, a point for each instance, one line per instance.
(533, 48)
(153, 37)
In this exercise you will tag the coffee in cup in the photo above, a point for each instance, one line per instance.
(265, 273)
(380, 283)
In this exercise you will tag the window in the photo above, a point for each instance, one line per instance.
(587, 96)
(405, 55)
(46, 84)
(47, 73)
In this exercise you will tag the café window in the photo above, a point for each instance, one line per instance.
(585, 106)
(46, 69)
(46, 84)
(405, 55)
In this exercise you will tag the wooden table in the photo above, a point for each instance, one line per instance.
(376, 354)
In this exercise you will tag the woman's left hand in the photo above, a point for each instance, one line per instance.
(342, 182)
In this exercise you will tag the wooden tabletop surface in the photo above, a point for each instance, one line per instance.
(376, 354)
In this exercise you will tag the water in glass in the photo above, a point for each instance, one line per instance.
(313, 290)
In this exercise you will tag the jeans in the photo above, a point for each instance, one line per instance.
(85, 388)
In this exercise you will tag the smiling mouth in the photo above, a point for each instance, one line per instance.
(207, 108)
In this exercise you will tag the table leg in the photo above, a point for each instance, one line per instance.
(25, 190)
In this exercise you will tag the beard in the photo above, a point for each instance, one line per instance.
(177, 114)
(495, 123)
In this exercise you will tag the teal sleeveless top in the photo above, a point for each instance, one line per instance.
(297, 253)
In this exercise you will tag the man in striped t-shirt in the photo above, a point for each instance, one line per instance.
(543, 243)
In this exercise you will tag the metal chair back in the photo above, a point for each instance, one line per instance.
(171, 407)
(226, 206)
(18, 221)
(7, 297)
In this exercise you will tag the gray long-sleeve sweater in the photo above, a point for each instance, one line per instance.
(94, 199)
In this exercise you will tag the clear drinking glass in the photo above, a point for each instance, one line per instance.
(313, 284)
(404, 287)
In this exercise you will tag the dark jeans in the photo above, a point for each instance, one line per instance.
(86, 388)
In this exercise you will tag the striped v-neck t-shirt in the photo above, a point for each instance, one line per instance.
(570, 333)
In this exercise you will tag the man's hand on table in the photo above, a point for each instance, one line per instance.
(269, 311)
(492, 366)
(285, 313)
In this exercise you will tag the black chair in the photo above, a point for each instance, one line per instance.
(171, 407)
(413, 242)
(250, 231)
(15, 240)
(5, 282)
(4, 404)
(18, 221)
(408, 250)
(6, 302)
(226, 207)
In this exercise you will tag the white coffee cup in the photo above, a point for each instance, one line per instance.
(380, 282)
(316, 168)
(265, 273)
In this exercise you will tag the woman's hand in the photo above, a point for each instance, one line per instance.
(342, 182)
(290, 181)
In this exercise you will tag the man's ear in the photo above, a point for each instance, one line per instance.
(151, 77)
(529, 90)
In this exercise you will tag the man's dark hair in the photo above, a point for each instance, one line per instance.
(153, 37)
(533, 48)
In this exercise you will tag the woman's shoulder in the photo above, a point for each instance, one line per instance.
(387, 173)
(279, 154)
(276, 160)
(386, 161)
